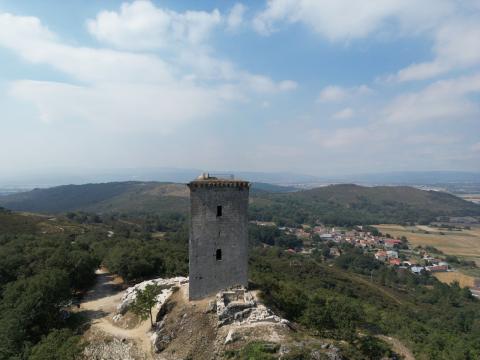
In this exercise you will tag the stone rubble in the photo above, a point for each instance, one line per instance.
(112, 349)
(238, 306)
(235, 306)
(167, 286)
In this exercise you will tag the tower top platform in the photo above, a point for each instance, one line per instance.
(207, 180)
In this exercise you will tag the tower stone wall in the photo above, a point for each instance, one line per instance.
(218, 245)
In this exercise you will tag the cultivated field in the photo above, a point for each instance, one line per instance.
(463, 243)
(451, 276)
(475, 198)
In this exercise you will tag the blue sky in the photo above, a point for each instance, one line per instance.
(320, 87)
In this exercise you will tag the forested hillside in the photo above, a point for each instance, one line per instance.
(335, 204)
(46, 262)
(106, 197)
(353, 204)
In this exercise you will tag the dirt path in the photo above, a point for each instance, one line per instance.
(100, 305)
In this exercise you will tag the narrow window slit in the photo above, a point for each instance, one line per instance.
(218, 254)
(219, 210)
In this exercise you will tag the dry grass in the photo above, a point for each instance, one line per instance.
(464, 243)
(452, 276)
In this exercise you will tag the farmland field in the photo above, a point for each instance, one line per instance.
(451, 276)
(475, 198)
(463, 243)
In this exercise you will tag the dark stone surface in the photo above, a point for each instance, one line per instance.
(209, 233)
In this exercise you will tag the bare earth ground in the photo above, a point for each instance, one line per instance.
(100, 305)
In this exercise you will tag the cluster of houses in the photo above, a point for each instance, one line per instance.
(394, 252)
(431, 265)
(387, 250)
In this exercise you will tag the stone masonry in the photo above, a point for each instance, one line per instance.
(218, 247)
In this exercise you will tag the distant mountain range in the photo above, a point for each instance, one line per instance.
(416, 177)
(77, 177)
(50, 178)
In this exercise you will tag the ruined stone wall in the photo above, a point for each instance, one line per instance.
(210, 234)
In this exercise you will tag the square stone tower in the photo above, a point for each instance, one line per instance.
(218, 245)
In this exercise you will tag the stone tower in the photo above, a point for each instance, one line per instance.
(218, 246)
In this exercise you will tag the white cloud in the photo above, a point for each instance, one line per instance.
(126, 90)
(453, 25)
(207, 67)
(235, 16)
(333, 93)
(142, 25)
(121, 91)
(340, 138)
(36, 44)
(344, 20)
(346, 113)
(431, 139)
(456, 46)
(263, 84)
(442, 100)
(114, 109)
(431, 121)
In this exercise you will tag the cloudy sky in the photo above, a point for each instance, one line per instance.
(311, 86)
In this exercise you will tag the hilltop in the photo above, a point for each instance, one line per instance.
(130, 196)
(354, 204)
(126, 197)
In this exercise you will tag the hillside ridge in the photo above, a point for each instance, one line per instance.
(348, 203)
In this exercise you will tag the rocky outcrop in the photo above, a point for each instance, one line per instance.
(161, 338)
(240, 307)
(166, 285)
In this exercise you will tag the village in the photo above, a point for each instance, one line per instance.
(385, 248)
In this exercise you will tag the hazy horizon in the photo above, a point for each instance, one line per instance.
(64, 176)
(322, 88)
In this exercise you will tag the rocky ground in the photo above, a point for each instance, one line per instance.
(213, 328)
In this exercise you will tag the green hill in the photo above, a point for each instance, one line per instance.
(336, 204)
(15, 223)
(353, 204)
(101, 198)
(124, 197)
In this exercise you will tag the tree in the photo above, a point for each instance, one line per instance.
(144, 302)
(58, 345)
